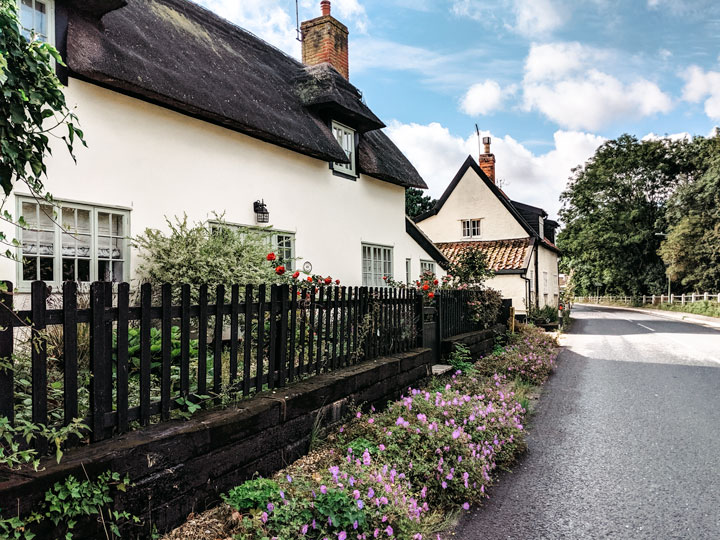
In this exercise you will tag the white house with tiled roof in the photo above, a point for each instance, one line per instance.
(517, 239)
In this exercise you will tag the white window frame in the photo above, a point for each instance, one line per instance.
(273, 235)
(345, 137)
(471, 228)
(50, 5)
(288, 261)
(377, 262)
(94, 210)
(426, 265)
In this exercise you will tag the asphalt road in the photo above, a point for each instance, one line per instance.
(625, 442)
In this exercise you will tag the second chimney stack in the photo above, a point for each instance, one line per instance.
(325, 39)
(487, 160)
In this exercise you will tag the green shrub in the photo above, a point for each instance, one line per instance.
(253, 494)
(461, 359)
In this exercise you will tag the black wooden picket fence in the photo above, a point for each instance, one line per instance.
(218, 346)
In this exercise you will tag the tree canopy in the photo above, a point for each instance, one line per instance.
(614, 210)
(416, 203)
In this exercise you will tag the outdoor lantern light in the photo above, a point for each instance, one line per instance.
(261, 212)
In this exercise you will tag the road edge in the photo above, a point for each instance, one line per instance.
(673, 315)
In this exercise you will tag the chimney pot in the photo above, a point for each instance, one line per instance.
(487, 160)
(325, 6)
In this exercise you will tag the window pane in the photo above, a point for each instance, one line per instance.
(68, 269)
(103, 223)
(83, 270)
(117, 268)
(29, 242)
(46, 269)
(83, 221)
(117, 248)
(46, 243)
(104, 271)
(40, 18)
(117, 225)
(30, 269)
(47, 217)
(103, 247)
(29, 213)
(83, 245)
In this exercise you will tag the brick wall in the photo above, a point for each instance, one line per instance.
(325, 39)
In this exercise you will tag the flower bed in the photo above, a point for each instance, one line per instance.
(396, 473)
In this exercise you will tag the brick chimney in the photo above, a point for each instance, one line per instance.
(487, 160)
(325, 39)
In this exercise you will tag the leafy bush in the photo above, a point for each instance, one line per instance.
(193, 253)
(253, 494)
(155, 348)
(485, 306)
(461, 359)
(704, 307)
(546, 314)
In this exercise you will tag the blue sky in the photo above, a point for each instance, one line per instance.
(549, 80)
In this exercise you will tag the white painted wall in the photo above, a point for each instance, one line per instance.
(548, 263)
(161, 163)
(472, 199)
(511, 286)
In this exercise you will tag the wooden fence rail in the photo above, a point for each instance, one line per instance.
(119, 359)
(153, 354)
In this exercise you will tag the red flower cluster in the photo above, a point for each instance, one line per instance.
(271, 257)
(280, 270)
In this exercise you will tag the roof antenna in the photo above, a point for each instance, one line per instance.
(297, 19)
(477, 130)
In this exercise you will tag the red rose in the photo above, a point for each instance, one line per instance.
(271, 257)
(426, 287)
(417, 283)
(431, 295)
(436, 282)
(310, 279)
(337, 282)
(385, 278)
(280, 270)
(328, 280)
(296, 275)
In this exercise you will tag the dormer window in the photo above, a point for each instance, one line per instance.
(541, 227)
(37, 18)
(471, 228)
(346, 138)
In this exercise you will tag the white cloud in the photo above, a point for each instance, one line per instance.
(703, 85)
(530, 18)
(563, 83)
(484, 98)
(536, 179)
(274, 21)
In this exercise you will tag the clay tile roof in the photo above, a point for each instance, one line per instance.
(502, 255)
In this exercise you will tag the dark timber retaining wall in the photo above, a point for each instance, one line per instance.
(479, 343)
(179, 467)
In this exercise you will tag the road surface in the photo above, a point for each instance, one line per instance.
(625, 442)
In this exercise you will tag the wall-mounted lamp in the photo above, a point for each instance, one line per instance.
(261, 212)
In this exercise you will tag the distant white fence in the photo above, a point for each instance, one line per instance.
(652, 299)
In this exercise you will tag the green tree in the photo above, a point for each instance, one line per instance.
(32, 109)
(613, 208)
(692, 247)
(470, 267)
(416, 203)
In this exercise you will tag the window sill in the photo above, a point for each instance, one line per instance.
(345, 175)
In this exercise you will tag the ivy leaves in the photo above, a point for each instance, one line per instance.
(32, 106)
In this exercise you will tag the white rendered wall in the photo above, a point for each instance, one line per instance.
(548, 262)
(472, 199)
(161, 163)
(511, 286)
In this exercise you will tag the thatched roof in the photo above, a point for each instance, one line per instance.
(180, 55)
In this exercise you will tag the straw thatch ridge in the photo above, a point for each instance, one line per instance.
(178, 54)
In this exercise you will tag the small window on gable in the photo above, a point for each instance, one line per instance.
(471, 228)
(37, 18)
(346, 138)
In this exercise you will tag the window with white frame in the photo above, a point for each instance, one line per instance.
(427, 266)
(408, 271)
(471, 228)
(282, 243)
(377, 263)
(72, 242)
(541, 226)
(37, 18)
(346, 138)
(284, 247)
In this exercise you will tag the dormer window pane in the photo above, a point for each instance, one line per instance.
(346, 139)
(36, 19)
